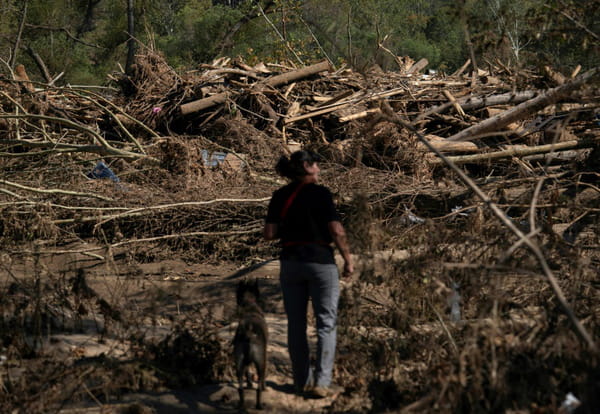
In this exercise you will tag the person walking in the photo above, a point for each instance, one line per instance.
(303, 216)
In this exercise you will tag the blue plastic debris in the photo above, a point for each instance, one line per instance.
(213, 159)
(101, 170)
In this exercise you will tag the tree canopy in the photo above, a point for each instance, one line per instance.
(87, 39)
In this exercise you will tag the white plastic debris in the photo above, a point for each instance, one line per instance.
(460, 213)
(570, 403)
(454, 302)
(413, 219)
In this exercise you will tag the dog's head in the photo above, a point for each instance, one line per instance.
(247, 292)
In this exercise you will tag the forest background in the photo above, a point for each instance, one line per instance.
(85, 39)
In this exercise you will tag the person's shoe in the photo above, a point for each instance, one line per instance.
(307, 389)
(326, 392)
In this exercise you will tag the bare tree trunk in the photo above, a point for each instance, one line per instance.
(13, 59)
(131, 41)
(88, 21)
(227, 41)
(40, 63)
(469, 43)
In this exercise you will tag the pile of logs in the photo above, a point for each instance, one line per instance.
(491, 116)
(485, 116)
(157, 119)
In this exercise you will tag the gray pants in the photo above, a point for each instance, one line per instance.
(320, 282)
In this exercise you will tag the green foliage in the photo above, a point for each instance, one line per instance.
(420, 48)
(558, 33)
(85, 39)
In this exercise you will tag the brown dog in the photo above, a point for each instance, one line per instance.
(250, 341)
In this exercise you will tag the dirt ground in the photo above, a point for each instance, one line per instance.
(129, 336)
(171, 287)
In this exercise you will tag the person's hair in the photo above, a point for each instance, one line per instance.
(293, 167)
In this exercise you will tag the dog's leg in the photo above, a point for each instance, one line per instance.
(240, 374)
(248, 378)
(261, 370)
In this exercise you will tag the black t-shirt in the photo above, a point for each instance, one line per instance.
(304, 231)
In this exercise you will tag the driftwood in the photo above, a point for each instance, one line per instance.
(337, 98)
(105, 148)
(359, 115)
(460, 70)
(557, 77)
(525, 109)
(52, 191)
(471, 103)
(420, 65)
(205, 103)
(459, 110)
(302, 73)
(274, 81)
(340, 105)
(58, 147)
(446, 146)
(233, 71)
(521, 150)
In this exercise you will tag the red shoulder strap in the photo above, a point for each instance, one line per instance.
(290, 200)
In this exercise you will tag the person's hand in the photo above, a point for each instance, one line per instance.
(348, 269)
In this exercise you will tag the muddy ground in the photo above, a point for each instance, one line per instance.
(154, 337)
(163, 293)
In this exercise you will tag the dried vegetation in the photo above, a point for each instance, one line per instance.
(193, 154)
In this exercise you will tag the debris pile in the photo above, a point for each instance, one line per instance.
(162, 163)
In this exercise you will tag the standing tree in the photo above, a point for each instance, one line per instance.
(131, 40)
(13, 59)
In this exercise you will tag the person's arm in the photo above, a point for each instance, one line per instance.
(270, 231)
(338, 234)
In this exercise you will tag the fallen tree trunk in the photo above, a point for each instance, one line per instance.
(278, 80)
(525, 109)
(519, 151)
(471, 103)
(445, 146)
(459, 110)
(295, 75)
(204, 103)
